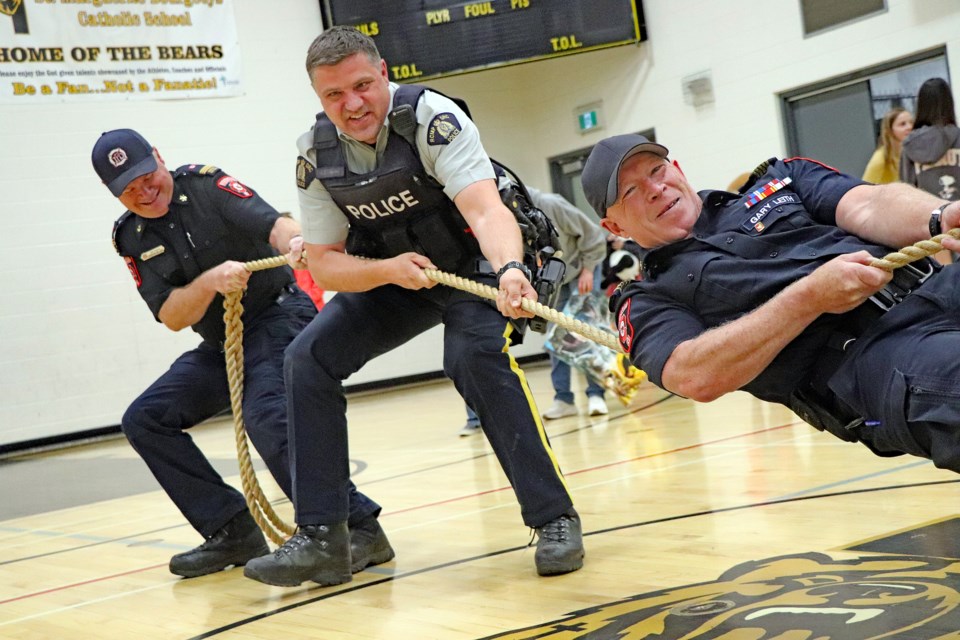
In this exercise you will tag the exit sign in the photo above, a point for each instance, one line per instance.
(589, 117)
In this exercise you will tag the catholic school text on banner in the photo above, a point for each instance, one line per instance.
(83, 50)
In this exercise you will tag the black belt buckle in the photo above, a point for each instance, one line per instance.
(906, 280)
(287, 291)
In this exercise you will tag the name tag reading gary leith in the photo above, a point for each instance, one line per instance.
(755, 224)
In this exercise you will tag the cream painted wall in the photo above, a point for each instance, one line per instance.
(527, 111)
(77, 343)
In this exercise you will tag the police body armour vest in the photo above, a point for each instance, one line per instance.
(397, 207)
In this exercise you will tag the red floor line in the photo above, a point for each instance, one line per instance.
(433, 504)
(80, 584)
(589, 469)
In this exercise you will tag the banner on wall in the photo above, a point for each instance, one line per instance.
(98, 50)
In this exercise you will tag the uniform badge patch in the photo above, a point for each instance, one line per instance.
(234, 186)
(132, 266)
(443, 129)
(625, 326)
(306, 172)
(117, 157)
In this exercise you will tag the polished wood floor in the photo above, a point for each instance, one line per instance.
(701, 521)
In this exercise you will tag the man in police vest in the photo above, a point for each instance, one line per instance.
(415, 190)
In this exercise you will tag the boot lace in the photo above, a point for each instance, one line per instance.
(556, 530)
(305, 535)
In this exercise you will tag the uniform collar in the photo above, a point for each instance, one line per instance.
(180, 197)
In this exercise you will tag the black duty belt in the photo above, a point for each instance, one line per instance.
(906, 280)
(813, 400)
(287, 291)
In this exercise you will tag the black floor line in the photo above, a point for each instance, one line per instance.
(696, 514)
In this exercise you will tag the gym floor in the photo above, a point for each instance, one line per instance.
(727, 520)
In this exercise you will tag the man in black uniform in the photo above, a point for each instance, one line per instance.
(771, 291)
(185, 238)
(415, 190)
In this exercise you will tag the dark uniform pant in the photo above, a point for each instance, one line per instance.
(903, 374)
(196, 388)
(356, 327)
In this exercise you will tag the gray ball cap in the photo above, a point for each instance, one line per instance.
(602, 169)
(120, 157)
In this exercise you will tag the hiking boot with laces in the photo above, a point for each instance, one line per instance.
(559, 545)
(236, 543)
(319, 552)
(368, 545)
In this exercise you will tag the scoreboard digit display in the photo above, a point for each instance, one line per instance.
(423, 39)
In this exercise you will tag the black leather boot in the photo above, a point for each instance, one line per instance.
(236, 543)
(560, 545)
(320, 553)
(368, 544)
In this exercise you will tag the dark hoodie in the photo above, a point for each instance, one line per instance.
(931, 160)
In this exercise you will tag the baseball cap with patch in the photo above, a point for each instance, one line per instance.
(121, 156)
(602, 169)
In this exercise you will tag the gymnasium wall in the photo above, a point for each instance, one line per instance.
(77, 344)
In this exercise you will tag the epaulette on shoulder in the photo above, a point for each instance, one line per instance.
(197, 170)
(757, 173)
(116, 230)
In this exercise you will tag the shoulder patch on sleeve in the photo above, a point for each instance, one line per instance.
(132, 266)
(305, 172)
(234, 186)
(443, 129)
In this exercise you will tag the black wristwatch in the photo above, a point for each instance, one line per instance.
(935, 227)
(513, 264)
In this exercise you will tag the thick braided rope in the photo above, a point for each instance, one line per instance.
(259, 506)
(570, 323)
(914, 252)
(261, 510)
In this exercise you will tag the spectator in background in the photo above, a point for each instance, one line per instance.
(884, 164)
(931, 153)
(583, 247)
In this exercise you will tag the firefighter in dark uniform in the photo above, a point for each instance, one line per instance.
(770, 290)
(417, 191)
(185, 237)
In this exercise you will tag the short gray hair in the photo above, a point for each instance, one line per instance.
(337, 44)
